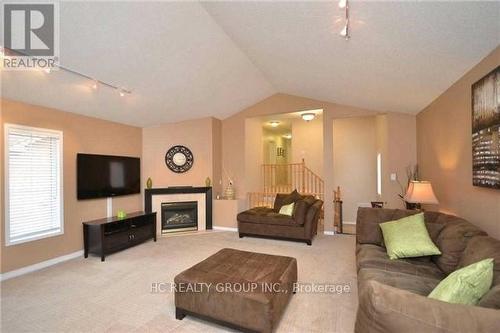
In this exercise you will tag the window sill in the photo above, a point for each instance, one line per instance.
(34, 238)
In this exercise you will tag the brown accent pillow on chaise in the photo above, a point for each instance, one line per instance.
(285, 199)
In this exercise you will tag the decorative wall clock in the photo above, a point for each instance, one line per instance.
(179, 159)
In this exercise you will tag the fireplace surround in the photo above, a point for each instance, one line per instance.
(155, 197)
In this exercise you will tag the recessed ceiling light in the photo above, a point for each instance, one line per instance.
(308, 116)
(274, 123)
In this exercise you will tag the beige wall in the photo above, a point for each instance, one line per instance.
(355, 162)
(307, 143)
(445, 152)
(217, 156)
(80, 134)
(396, 141)
(253, 157)
(225, 211)
(201, 136)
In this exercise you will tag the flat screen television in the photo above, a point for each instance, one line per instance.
(102, 176)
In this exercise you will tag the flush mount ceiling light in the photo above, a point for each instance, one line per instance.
(308, 116)
(287, 136)
(274, 123)
(345, 32)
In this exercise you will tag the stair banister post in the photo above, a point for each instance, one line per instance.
(303, 175)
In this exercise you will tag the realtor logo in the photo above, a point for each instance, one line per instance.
(30, 36)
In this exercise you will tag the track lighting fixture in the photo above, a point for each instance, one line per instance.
(345, 32)
(95, 82)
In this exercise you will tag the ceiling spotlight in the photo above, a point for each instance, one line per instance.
(122, 93)
(308, 116)
(274, 123)
(95, 84)
(344, 4)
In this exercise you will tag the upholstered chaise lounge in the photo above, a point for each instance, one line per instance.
(268, 222)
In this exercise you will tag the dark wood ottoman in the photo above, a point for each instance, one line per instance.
(244, 290)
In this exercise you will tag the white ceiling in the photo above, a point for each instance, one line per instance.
(177, 61)
(190, 60)
(401, 55)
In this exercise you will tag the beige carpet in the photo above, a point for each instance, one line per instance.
(85, 295)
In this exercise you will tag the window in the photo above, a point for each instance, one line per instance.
(33, 183)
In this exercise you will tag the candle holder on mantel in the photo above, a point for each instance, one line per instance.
(337, 211)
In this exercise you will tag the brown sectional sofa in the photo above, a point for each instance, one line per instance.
(393, 293)
(267, 222)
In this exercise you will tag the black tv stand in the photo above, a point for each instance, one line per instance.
(108, 235)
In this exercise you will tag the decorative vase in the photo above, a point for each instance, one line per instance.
(121, 214)
(149, 183)
(229, 191)
(208, 182)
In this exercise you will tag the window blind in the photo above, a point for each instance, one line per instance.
(33, 173)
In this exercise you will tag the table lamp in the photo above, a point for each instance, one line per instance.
(420, 192)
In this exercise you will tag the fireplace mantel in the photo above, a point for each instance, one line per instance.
(148, 194)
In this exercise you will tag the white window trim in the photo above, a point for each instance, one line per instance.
(7, 127)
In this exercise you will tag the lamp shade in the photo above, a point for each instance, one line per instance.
(420, 192)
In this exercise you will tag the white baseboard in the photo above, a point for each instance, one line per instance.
(40, 265)
(329, 232)
(225, 228)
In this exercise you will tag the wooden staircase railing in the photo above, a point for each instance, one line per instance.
(284, 178)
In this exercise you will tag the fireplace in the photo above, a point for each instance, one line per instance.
(179, 216)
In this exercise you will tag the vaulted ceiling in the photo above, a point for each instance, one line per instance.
(188, 60)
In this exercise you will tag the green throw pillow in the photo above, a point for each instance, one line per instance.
(408, 237)
(466, 285)
(287, 209)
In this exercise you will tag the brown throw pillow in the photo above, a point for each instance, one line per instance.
(282, 200)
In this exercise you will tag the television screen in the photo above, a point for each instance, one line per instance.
(101, 176)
